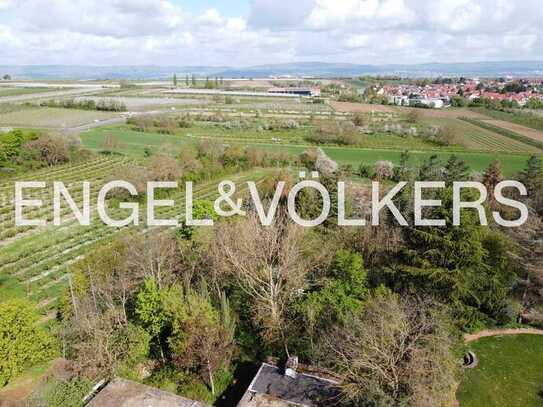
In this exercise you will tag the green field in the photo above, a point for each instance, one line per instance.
(475, 137)
(135, 144)
(510, 373)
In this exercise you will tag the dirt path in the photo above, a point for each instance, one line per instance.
(498, 332)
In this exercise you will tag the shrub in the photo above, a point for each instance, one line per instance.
(413, 116)
(51, 149)
(365, 171)
(359, 120)
(60, 393)
(23, 343)
(384, 170)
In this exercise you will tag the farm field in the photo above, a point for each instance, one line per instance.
(425, 113)
(510, 373)
(530, 118)
(6, 91)
(146, 103)
(136, 143)
(480, 139)
(517, 128)
(52, 118)
(349, 107)
(35, 262)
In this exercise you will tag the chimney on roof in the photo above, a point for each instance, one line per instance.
(291, 367)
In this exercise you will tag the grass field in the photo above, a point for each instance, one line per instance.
(136, 143)
(49, 118)
(510, 373)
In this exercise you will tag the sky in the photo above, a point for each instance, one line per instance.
(256, 32)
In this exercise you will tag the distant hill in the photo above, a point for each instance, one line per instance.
(315, 69)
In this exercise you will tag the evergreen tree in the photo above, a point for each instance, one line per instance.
(532, 176)
(455, 170)
(402, 172)
(467, 266)
(430, 169)
(175, 80)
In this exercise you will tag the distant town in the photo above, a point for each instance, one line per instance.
(441, 93)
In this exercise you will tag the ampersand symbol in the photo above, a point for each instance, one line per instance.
(225, 196)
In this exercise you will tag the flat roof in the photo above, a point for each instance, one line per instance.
(304, 390)
(126, 393)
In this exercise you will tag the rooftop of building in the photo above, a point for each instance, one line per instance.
(126, 393)
(272, 388)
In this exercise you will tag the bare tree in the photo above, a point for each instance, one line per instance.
(154, 254)
(164, 168)
(52, 149)
(398, 352)
(269, 265)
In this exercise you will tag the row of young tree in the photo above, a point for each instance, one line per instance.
(103, 105)
(191, 81)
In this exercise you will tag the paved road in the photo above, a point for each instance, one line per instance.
(115, 120)
(88, 126)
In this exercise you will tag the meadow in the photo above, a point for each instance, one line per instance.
(510, 373)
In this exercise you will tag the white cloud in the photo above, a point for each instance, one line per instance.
(359, 31)
(358, 41)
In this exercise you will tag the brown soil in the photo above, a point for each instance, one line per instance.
(348, 107)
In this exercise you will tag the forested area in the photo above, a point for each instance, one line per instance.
(383, 307)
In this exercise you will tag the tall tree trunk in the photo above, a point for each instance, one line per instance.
(74, 304)
(211, 381)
